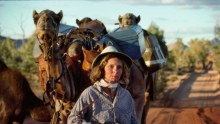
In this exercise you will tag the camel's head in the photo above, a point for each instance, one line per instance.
(47, 28)
(128, 19)
(47, 24)
(83, 21)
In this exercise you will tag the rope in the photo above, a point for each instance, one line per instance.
(85, 107)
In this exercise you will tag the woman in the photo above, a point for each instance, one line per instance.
(107, 100)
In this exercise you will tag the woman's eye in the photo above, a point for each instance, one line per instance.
(111, 66)
(119, 67)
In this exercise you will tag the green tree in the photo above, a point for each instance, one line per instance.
(189, 61)
(216, 56)
(19, 58)
(28, 65)
(8, 52)
(178, 51)
(199, 49)
(171, 61)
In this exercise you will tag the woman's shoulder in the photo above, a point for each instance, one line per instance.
(88, 89)
(124, 90)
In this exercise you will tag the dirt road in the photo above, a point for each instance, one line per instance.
(193, 100)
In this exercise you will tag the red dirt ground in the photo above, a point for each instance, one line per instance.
(195, 99)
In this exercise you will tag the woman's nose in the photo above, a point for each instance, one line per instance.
(115, 69)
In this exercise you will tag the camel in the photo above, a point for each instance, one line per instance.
(55, 78)
(17, 100)
(60, 75)
(129, 19)
(147, 59)
(83, 21)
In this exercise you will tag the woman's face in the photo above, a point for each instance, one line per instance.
(113, 70)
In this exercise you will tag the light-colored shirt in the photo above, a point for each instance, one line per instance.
(95, 106)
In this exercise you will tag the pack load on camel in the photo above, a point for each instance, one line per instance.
(64, 29)
(136, 42)
(128, 40)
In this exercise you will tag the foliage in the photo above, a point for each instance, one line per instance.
(188, 58)
(8, 52)
(216, 56)
(185, 58)
(160, 81)
(199, 49)
(171, 61)
(19, 58)
(177, 53)
(216, 48)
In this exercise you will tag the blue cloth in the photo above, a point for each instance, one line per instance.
(105, 110)
(64, 29)
(127, 40)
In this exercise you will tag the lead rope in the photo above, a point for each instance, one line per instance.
(56, 114)
(88, 105)
(54, 120)
(85, 107)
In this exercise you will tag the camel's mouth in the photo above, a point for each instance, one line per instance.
(46, 36)
(128, 24)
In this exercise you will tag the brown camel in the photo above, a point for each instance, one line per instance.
(55, 77)
(63, 75)
(139, 82)
(129, 19)
(17, 99)
(83, 21)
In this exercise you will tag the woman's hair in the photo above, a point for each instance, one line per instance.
(97, 72)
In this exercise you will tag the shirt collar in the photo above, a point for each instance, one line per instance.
(103, 83)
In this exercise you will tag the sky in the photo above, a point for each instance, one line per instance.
(186, 19)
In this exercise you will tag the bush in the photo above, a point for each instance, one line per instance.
(160, 82)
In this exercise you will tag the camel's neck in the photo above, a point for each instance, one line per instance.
(54, 68)
(86, 66)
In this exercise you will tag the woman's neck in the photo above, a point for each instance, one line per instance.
(104, 83)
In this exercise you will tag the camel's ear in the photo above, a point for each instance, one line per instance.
(35, 16)
(120, 19)
(77, 22)
(60, 16)
(138, 19)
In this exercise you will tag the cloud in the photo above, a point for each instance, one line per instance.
(188, 33)
(214, 4)
(175, 2)
(217, 17)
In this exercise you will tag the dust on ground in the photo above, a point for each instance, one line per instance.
(193, 99)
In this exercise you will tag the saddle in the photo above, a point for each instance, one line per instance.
(127, 40)
(153, 56)
(96, 26)
(139, 45)
(65, 29)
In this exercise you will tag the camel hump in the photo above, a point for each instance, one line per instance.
(2, 65)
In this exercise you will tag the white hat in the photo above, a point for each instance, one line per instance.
(112, 50)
